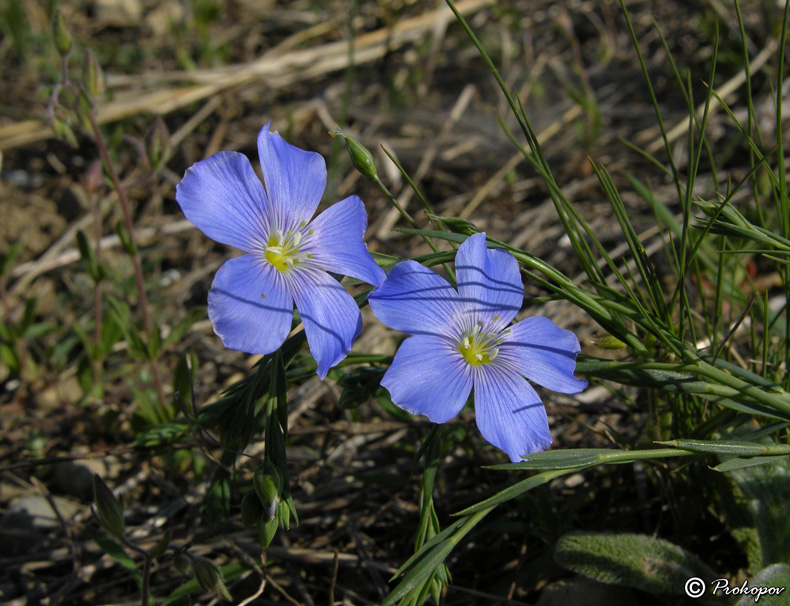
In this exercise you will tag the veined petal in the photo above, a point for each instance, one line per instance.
(250, 306)
(489, 282)
(331, 317)
(294, 179)
(223, 197)
(544, 353)
(338, 245)
(427, 377)
(510, 414)
(417, 300)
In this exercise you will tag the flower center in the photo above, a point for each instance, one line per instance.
(477, 347)
(282, 250)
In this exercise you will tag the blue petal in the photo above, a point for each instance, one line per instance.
(509, 413)
(294, 179)
(331, 317)
(223, 197)
(339, 245)
(428, 377)
(241, 316)
(544, 353)
(417, 300)
(489, 282)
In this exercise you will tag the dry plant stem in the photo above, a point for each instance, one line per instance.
(146, 567)
(138, 270)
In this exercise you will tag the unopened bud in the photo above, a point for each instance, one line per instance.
(61, 34)
(266, 531)
(251, 509)
(361, 158)
(94, 78)
(85, 109)
(210, 577)
(182, 563)
(108, 511)
(608, 342)
(460, 226)
(268, 483)
(284, 514)
(62, 130)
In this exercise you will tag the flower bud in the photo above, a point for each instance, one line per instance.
(608, 342)
(284, 514)
(182, 563)
(94, 78)
(361, 158)
(61, 34)
(62, 130)
(85, 109)
(210, 577)
(108, 511)
(268, 483)
(251, 509)
(460, 226)
(266, 531)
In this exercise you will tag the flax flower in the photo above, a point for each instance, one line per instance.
(463, 341)
(251, 300)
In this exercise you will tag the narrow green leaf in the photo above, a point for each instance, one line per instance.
(728, 447)
(734, 464)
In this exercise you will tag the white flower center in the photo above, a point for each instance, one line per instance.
(282, 249)
(478, 347)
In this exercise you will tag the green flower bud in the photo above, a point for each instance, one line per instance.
(94, 78)
(251, 509)
(182, 563)
(108, 509)
(210, 577)
(61, 34)
(266, 531)
(284, 515)
(361, 158)
(460, 226)
(608, 342)
(268, 483)
(85, 109)
(63, 131)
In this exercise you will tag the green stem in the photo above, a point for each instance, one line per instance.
(138, 270)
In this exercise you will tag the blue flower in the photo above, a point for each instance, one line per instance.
(288, 256)
(463, 340)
